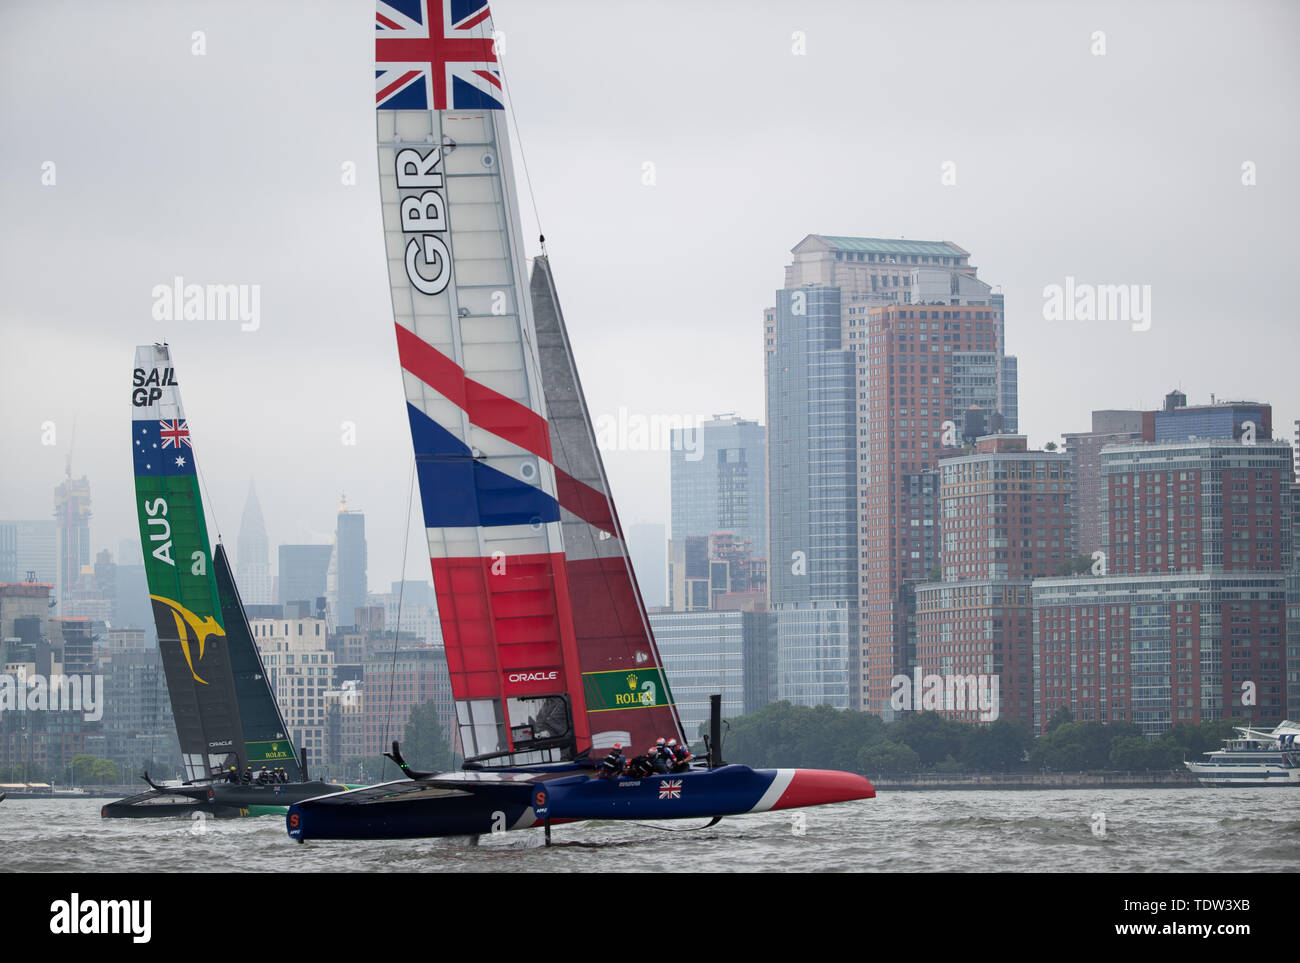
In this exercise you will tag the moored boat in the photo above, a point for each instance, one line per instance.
(1253, 757)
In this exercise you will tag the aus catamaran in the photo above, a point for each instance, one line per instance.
(550, 652)
(227, 717)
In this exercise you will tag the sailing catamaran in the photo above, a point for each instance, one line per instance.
(548, 645)
(227, 717)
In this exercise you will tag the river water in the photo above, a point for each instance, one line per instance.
(1079, 830)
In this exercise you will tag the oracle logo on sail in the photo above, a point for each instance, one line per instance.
(533, 676)
(428, 261)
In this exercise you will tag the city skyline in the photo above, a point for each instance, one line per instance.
(308, 240)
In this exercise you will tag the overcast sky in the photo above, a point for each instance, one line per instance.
(227, 167)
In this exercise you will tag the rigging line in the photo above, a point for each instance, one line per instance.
(523, 159)
(207, 498)
(397, 628)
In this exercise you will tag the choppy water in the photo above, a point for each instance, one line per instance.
(1154, 830)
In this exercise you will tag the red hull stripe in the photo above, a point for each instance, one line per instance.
(488, 409)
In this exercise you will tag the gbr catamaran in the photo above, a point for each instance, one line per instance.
(550, 652)
(227, 717)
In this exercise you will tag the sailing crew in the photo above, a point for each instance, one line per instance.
(613, 765)
(232, 777)
(664, 755)
(681, 756)
(641, 766)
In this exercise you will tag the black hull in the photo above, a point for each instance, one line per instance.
(221, 801)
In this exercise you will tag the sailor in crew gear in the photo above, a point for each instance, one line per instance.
(643, 765)
(613, 765)
(664, 755)
(233, 776)
(681, 756)
(657, 761)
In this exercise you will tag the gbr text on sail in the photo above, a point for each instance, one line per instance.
(428, 262)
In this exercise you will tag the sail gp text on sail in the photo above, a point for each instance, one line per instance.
(425, 215)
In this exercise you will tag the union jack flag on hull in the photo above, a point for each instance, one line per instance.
(435, 55)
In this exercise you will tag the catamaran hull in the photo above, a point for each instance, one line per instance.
(221, 801)
(405, 810)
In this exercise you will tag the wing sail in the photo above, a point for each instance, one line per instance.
(474, 399)
(178, 566)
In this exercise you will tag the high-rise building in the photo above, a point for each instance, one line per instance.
(719, 480)
(72, 514)
(397, 682)
(715, 572)
(301, 669)
(1110, 427)
(350, 545)
(647, 544)
(705, 652)
(138, 724)
(303, 570)
(855, 323)
(29, 547)
(812, 486)
(253, 565)
(925, 366)
(1006, 520)
(1189, 624)
(411, 608)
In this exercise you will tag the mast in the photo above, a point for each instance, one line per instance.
(178, 566)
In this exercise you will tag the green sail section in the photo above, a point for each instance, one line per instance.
(266, 737)
(179, 568)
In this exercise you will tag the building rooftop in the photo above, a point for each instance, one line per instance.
(886, 245)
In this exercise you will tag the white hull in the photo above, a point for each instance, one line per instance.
(1244, 775)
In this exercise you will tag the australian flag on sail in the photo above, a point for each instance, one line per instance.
(161, 448)
(435, 55)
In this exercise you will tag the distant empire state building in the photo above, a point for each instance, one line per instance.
(72, 515)
(253, 556)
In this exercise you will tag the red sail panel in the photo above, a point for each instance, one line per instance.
(504, 620)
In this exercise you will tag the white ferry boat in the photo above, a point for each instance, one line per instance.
(1253, 758)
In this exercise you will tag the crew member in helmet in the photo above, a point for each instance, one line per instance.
(643, 765)
(664, 754)
(681, 756)
(613, 765)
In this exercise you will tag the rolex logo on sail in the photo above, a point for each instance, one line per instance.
(192, 631)
(428, 261)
